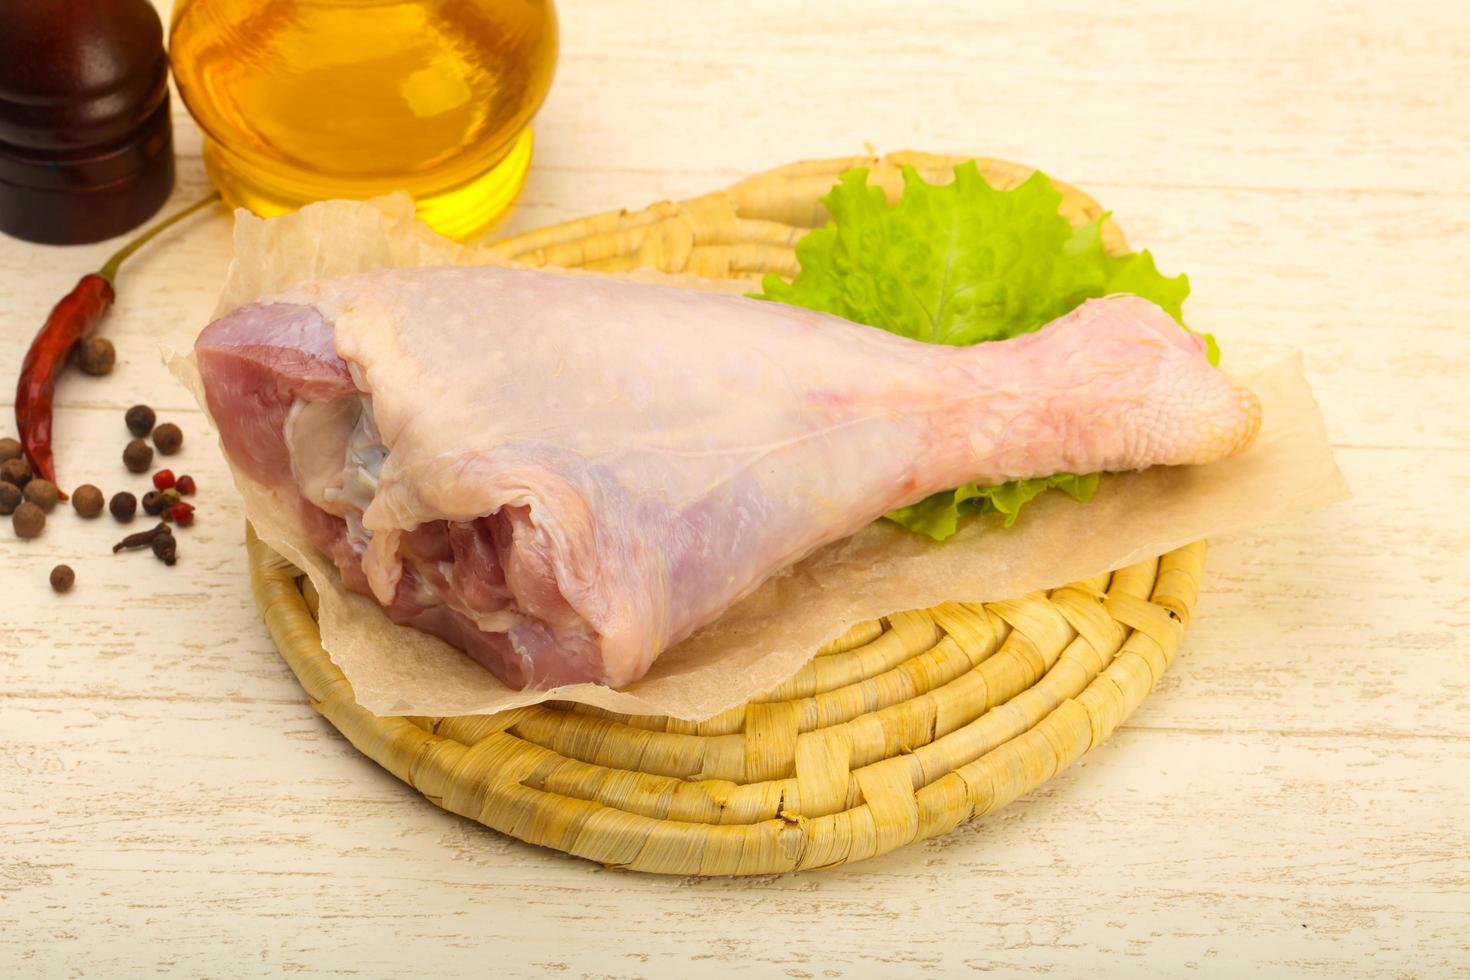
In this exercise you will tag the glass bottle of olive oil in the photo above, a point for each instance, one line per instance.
(302, 100)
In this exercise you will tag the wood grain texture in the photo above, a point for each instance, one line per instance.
(1292, 800)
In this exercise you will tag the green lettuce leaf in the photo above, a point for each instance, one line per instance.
(939, 515)
(964, 263)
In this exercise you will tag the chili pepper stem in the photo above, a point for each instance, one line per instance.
(109, 270)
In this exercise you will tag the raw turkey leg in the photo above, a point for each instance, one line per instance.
(565, 475)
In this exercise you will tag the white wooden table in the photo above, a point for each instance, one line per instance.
(1293, 799)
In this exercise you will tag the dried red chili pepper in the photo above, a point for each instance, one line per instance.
(71, 321)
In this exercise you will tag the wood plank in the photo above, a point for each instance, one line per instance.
(1289, 802)
(1161, 850)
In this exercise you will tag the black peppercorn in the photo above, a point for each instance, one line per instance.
(138, 456)
(87, 500)
(153, 503)
(10, 497)
(168, 438)
(140, 419)
(123, 506)
(62, 578)
(16, 471)
(28, 520)
(96, 355)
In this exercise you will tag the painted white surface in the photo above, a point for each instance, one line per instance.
(1292, 800)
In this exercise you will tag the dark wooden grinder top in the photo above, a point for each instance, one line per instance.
(86, 148)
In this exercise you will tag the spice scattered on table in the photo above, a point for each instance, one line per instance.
(182, 514)
(168, 438)
(138, 456)
(159, 539)
(163, 479)
(87, 500)
(63, 578)
(96, 356)
(140, 420)
(16, 471)
(28, 520)
(165, 549)
(71, 321)
(142, 539)
(42, 493)
(123, 506)
(10, 497)
(10, 449)
(185, 485)
(153, 503)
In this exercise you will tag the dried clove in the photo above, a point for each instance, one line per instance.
(165, 548)
(142, 539)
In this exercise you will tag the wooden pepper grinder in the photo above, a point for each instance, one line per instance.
(86, 145)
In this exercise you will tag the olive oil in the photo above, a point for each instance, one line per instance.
(302, 100)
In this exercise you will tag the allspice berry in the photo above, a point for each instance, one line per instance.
(16, 471)
(153, 503)
(96, 355)
(43, 494)
(87, 500)
(140, 419)
(28, 520)
(63, 578)
(10, 449)
(168, 438)
(123, 506)
(138, 456)
(10, 497)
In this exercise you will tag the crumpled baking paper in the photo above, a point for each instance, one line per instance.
(395, 670)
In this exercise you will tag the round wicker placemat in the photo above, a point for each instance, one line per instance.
(897, 731)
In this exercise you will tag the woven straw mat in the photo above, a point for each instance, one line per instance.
(897, 731)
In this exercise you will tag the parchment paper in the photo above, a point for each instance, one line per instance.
(395, 670)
